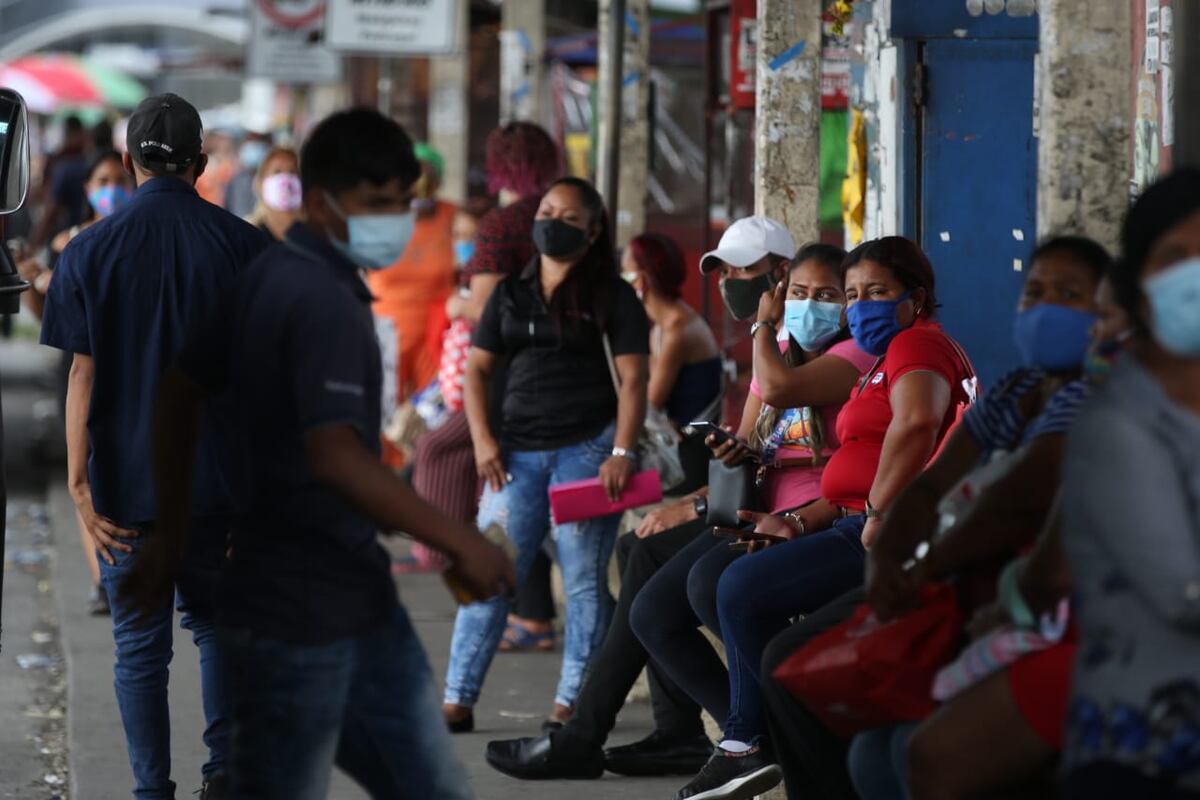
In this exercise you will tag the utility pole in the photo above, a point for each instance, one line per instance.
(449, 123)
(1083, 157)
(522, 73)
(610, 47)
(1187, 84)
(625, 144)
(787, 135)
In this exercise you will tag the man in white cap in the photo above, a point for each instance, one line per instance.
(753, 256)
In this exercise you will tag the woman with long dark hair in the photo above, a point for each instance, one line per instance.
(562, 420)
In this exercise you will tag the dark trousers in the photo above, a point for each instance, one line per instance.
(535, 598)
(669, 611)
(616, 666)
(813, 758)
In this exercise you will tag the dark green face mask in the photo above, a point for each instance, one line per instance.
(742, 297)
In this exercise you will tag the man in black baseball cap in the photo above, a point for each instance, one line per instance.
(164, 135)
(134, 284)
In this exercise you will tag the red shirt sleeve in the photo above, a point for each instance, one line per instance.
(924, 348)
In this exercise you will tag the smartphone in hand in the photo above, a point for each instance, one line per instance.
(704, 429)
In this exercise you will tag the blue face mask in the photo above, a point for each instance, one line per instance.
(1174, 297)
(811, 323)
(873, 323)
(1053, 337)
(107, 199)
(463, 251)
(252, 153)
(376, 240)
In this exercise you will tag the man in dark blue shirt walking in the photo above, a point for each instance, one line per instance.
(126, 292)
(324, 664)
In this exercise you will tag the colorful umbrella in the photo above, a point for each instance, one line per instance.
(50, 83)
(118, 89)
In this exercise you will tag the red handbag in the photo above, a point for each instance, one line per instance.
(865, 674)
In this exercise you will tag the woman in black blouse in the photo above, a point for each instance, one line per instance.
(562, 420)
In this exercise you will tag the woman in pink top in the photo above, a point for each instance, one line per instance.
(814, 375)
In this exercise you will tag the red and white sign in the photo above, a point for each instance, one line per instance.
(287, 43)
(743, 43)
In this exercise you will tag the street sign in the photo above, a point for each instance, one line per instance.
(287, 43)
(397, 27)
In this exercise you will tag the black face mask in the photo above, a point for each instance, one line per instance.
(557, 239)
(742, 296)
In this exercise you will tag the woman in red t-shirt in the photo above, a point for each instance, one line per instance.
(891, 426)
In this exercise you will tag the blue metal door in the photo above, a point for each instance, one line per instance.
(978, 187)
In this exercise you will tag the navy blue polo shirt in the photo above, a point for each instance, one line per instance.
(298, 352)
(127, 291)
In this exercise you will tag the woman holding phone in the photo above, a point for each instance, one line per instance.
(562, 420)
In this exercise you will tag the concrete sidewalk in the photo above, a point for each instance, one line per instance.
(518, 695)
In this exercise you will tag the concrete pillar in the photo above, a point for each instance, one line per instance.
(787, 136)
(1187, 84)
(633, 129)
(522, 73)
(1083, 148)
(448, 104)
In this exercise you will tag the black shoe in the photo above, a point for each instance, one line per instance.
(98, 602)
(216, 788)
(536, 759)
(464, 725)
(659, 754)
(733, 776)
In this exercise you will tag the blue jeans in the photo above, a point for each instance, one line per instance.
(144, 649)
(879, 762)
(758, 595)
(522, 508)
(366, 703)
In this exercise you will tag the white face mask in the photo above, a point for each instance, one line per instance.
(376, 240)
(281, 192)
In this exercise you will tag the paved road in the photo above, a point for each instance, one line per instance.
(519, 691)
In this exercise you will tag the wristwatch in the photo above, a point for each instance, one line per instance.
(873, 512)
(700, 506)
(760, 324)
(624, 453)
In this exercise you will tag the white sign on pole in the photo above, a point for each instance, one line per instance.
(399, 27)
(287, 42)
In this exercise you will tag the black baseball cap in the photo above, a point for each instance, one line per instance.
(164, 134)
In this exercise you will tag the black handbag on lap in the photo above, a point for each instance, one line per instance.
(731, 489)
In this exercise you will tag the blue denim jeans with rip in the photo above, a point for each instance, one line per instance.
(366, 703)
(583, 550)
(143, 656)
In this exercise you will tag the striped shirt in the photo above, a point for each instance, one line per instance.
(997, 423)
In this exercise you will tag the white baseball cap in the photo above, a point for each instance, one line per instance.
(746, 241)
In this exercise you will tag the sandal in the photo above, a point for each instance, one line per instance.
(519, 639)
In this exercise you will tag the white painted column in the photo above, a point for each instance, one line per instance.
(449, 126)
(522, 74)
(787, 143)
(1083, 148)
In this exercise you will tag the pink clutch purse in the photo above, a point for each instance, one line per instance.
(586, 499)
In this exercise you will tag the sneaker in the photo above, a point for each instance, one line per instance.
(733, 776)
(98, 602)
(216, 788)
(660, 754)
